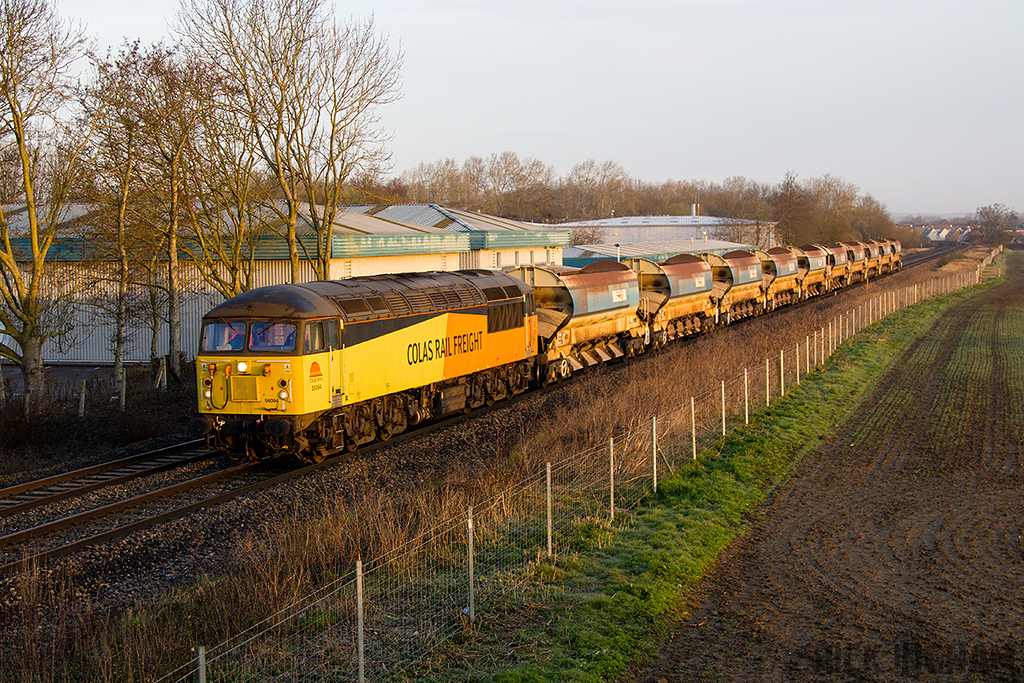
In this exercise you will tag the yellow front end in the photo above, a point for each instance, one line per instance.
(252, 386)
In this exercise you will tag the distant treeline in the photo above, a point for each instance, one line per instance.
(820, 209)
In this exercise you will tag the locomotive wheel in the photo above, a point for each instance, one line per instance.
(318, 454)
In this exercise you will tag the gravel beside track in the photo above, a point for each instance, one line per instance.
(896, 552)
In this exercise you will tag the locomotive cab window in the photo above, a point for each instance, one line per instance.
(266, 336)
(314, 339)
(224, 336)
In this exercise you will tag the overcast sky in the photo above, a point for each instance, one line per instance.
(918, 102)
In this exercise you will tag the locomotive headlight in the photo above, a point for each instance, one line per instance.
(283, 395)
(207, 394)
(243, 366)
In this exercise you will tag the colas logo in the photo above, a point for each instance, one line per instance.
(314, 370)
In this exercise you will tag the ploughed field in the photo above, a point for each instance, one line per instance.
(896, 551)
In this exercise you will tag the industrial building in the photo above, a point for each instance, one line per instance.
(366, 240)
(653, 229)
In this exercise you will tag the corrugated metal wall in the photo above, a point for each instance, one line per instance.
(91, 339)
(90, 342)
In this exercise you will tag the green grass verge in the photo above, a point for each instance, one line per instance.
(589, 613)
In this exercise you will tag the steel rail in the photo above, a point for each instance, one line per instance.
(31, 504)
(95, 469)
(104, 510)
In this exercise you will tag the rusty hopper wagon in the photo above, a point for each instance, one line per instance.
(584, 317)
(838, 265)
(780, 276)
(813, 260)
(675, 296)
(737, 285)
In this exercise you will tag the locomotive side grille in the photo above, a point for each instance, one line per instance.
(419, 301)
(494, 293)
(438, 299)
(469, 296)
(453, 298)
(398, 304)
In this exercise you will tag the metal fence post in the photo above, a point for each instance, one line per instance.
(469, 530)
(807, 353)
(202, 664)
(360, 643)
(782, 374)
(611, 478)
(723, 407)
(654, 450)
(746, 399)
(549, 505)
(767, 383)
(798, 364)
(693, 427)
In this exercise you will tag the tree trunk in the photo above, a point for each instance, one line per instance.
(173, 313)
(32, 374)
(173, 296)
(121, 323)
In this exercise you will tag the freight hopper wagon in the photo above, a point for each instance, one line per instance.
(737, 286)
(857, 254)
(812, 262)
(675, 296)
(584, 317)
(838, 259)
(307, 369)
(873, 258)
(780, 276)
(890, 260)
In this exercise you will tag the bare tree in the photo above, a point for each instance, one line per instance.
(224, 215)
(37, 52)
(870, 219)
(994, 219)
(591, 234)
(594, 190)
(113, 99)
(309, 90)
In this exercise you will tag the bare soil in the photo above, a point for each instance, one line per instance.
(896, 551)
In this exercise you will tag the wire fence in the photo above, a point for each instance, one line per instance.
(382, 618)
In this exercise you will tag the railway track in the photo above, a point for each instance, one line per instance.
(43, 492)
(25, 543)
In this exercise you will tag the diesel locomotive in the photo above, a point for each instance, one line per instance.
(311, 369)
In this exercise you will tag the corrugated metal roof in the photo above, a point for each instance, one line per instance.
(660, 221)
(423, 215)
(17, 216)
(455, 220)
(581, 255)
